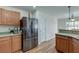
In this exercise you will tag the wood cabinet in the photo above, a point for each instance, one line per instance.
(15, 17)
(75, 46)
(62, 43)
(9, 17)
(70, 45)
(5, 44)
(67, 44)
(10, 44)
(16, 43)
(0, 15)
(6, 17)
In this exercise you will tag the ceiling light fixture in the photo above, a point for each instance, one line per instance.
(71, 17)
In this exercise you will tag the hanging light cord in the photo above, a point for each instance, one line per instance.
(69, 12)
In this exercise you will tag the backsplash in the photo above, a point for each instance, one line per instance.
(68, 31)
(5, 28)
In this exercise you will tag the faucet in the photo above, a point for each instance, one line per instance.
(11, 30)
(16, 29)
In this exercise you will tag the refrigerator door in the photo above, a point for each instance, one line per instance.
(34, 30)
(26, 45)
(34, 27)
(29, 27)
(26, 34)
(34, 42)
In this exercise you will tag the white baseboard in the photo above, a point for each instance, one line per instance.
(45, 40)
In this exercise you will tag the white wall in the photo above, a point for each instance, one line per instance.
(22, 13)
(62, 23)
(47, 25)
(51, 27)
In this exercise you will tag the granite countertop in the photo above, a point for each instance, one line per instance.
(76, 36)
(9, 34)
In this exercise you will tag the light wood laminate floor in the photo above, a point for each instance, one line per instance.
(45, 47)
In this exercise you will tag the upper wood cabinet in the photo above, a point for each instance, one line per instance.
(0, 15)
(15, 17)
(5, 17)
(9, 17)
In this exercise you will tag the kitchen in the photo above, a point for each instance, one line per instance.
(14, 36)
(54, 31)
(67, 36)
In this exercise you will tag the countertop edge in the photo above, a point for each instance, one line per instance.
(75, 36)
(6, 35)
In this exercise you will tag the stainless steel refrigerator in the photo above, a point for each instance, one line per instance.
(29, 27)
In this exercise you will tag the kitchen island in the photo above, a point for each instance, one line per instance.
(67, 43)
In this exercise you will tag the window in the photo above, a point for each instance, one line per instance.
(72, 25)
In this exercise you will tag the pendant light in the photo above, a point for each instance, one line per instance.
(34, 7)
(71, 17)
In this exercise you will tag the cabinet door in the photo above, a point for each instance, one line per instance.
(0, 15)
(75, 46)
(9, 20)
(70, 45)
(15, 18)
(10, 17)
(62, 44)
(16, 43)
(5, 45)
(4, 16)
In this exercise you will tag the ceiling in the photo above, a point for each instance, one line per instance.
(26, 8)
(55, 10)
(58, 9)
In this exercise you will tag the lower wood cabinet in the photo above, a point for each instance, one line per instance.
(75, 46)
(10, 44)
(5, 44)
(62, 43)
(67, 44)
(16, 43)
